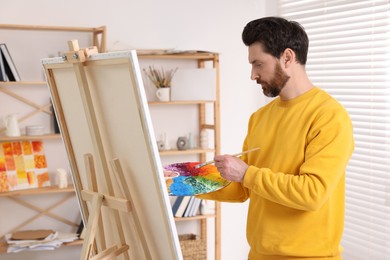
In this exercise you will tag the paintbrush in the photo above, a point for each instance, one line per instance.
(235, 155)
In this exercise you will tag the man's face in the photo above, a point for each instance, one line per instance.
(266, 70)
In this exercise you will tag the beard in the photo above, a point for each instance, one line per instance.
(276, 84)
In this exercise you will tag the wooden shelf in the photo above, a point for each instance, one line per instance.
(185, 55)
(51, 28)
(36, 191)
(74, 243)
(189, 102)
(198, 217)
(188, 151)
(4, 245)
(29, 137)
(15, 83)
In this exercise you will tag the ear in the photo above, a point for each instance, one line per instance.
(287, 58)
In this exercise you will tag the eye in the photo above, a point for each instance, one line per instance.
(257, 65)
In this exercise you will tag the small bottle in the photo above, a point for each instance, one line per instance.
(62, 178)
(166, 142)
(191, 144)
(204, 139)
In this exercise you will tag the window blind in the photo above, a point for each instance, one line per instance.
(349, 57)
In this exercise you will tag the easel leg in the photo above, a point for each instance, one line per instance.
(120, 177)
(92, 226)
(100, 244)
(95, 224)
(110, 253)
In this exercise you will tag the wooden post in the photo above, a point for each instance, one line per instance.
(94, 223)
(120, 177)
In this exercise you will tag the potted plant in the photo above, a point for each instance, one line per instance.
(162, 80)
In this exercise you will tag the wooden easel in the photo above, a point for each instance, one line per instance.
(94, 247)
(99, 200)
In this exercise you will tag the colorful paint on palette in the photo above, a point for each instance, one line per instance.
(192, 181)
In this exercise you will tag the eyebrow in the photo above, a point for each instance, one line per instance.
(255, 61)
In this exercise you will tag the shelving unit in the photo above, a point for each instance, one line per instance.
(201, 58)
(12, 91)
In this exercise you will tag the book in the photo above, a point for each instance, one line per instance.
(56, 127)
(182, 206)
(38, 234)
(176, 204)
(9, 66)
(189, 207)
(3, 76)
(195, 208)
(80, 228)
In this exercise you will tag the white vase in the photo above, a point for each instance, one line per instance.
(163, 94)
(11, 124)
(204, 139)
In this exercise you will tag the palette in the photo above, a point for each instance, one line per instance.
(192, 181)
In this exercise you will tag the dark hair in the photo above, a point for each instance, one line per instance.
(276, 34)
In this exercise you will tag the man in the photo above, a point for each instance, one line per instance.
(296, 181)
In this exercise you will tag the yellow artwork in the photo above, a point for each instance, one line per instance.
(22, 165)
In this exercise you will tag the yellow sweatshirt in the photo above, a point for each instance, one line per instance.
(296, 182)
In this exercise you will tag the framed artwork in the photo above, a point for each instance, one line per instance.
(22, 165)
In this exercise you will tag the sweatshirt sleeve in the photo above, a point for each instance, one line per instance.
(329, 147)
(234, 192)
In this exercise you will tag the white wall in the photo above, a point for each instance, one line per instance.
(205, 25)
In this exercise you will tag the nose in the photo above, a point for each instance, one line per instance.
(254, 76)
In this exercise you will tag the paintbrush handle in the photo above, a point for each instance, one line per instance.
(245, 152)
(235, 155)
